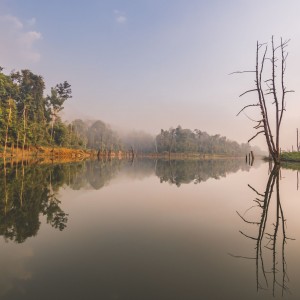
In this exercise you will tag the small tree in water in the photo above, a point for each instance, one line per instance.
(273, 86)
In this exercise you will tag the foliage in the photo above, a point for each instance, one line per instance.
(185, 140)
(27, 116)
(290, 156)
(101, 136)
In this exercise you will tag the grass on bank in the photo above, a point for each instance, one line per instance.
(290, 156)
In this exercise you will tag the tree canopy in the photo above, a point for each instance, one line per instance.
(187, 141)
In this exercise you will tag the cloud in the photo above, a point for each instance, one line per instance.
(13, 21)
(17, 44)
(31, 22)
(120, 17)
(14, 269)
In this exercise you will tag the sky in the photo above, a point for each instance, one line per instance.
(152, 64)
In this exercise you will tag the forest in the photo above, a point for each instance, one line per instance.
(29, 118)
(185, 140)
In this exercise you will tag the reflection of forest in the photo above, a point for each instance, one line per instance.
(187, 171)
(29, 191)
(26, 192)
(92, 174)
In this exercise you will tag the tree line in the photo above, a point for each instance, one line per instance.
(28, 117)
(179, 140)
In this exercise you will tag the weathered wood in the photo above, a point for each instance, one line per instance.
(272, 138)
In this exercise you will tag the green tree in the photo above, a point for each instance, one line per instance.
(8, 112)
(59, 94)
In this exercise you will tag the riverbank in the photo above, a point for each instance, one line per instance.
(290, 157)
(173, 155)
(38, 151)
(58, 153)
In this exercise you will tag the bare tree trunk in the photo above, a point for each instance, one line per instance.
(22, 186)
(52, 126)
(5, 142)
(17, 145)
(172, 132)
(7, 127)
(24, 133)
(5, 186)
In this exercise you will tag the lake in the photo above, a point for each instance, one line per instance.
(149, 229)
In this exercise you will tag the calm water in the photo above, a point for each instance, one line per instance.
(149, 229)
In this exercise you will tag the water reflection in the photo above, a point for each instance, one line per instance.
(270, 237)
(29, 191)
(26, 193)
(186, 171)
(141, 237)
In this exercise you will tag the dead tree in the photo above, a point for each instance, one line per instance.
(297, 141)
(266, 88)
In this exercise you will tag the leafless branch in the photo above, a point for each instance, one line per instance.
(262, 131)
(254, 90)
(240, 72)
(247, 107)
(252, 188)
(248, 236)
(249, 222)
(238, 256)
(250, 118)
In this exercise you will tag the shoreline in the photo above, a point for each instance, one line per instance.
(65, 155)
(59, 153)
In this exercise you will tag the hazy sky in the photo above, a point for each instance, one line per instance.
(152, 64)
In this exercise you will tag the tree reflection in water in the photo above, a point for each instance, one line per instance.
(186, 171)
(29, 191)
(271, 237)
